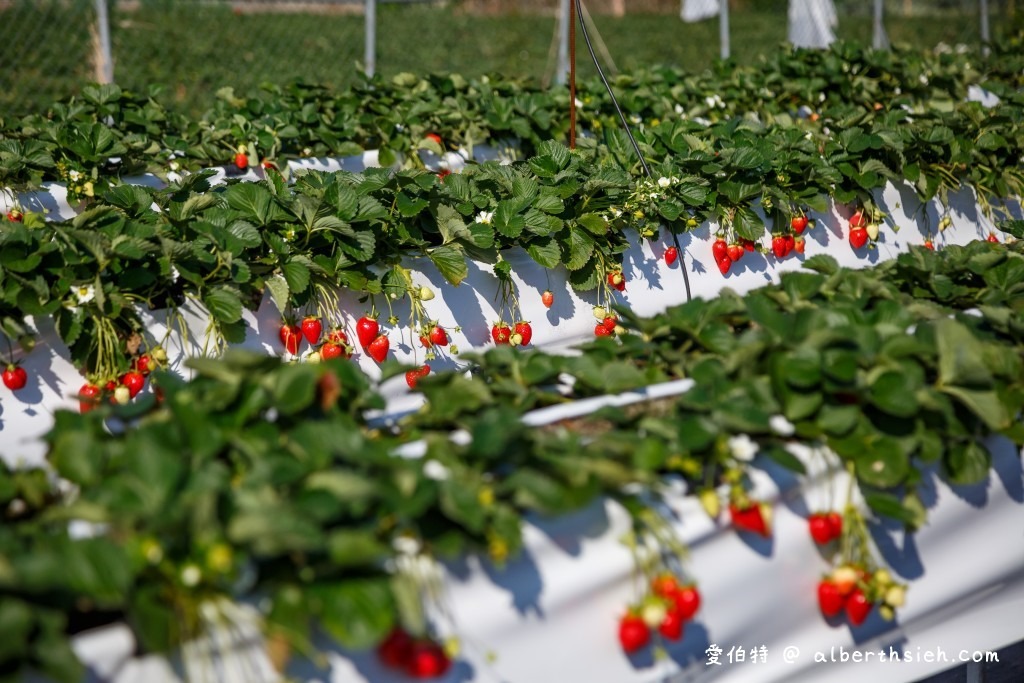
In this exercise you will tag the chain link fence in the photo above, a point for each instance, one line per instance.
(193, 48)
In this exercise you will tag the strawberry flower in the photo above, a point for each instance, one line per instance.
(85, 293)
(485, 217)
(781, 426)
(742, 447)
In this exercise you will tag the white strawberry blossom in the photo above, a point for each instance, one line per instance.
(664, 182)
(85, 293)
(485, 217)
(781, 426)
(742, 447)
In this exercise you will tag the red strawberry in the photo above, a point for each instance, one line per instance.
(378, 348)
(835, 524)
(501, 333)
(687, 601)
(798, 244)
(601, 331)
(992, 238)
(15, 377)
(88, 397)
(524, 330)
(845, 578)
(633, 633)
(435, 137)
(858, 219)
(748, 245)
(664, 585)
(671, 254)
(331, 350)
(291, 337)
(749, 519)
(724, 264)
(779, 246)
(547, 298)
(144, 364)
(396, 649)
(438, 337)
(311, 329)
(821, 530)
(242, 161)
(442, 174)
(367, 330)
(425, 342)
(829, 599)
(610, 322)
(427, 660)
(338, 336)
(720, 249)
(735, 252)
(790, 243)
(857, 607)
(617, 280)
(134, 381)
(858, 237)
(15, 216)
(799, 224)
(412, 376)
(929, 245)
(672, 627)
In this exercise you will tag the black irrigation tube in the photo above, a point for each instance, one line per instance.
(625, 125)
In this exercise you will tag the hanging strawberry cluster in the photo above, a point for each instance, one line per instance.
(519, 332)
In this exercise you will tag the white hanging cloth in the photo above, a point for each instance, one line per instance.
(698, 10)
(811, 23)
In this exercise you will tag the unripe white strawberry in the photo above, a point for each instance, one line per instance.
(600, 313)
(122, 395)
(426, 293)
(872, 231)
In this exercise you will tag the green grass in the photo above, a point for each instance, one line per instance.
(196, 50)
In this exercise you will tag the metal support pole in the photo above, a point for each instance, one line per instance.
(723, 27)
(105, 66)
(370, 55)
(880, 40)
(572, 73)
(564, 17)
(986, 37)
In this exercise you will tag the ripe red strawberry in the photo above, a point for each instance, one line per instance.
(748, 245)
(367, 330)
(790, 243)
(735, 252)
(724, 264)
(857, 607)
(501, 333)
(242, 161)
(672, 626)
(610, 322)
(425, 342)
(992, 238)
(442, 174)
(311, 329)
(601, 331)
(134, 381)
(858, 219)
(438, 337)
(858, 237)
(88, 397)
(547, 298)
(378, 348)
(412, 376)
(799, 224)
(779, 246)
(929, 245)
(821, 530)
(337, 336)
(291, 337)
(829, 599)
(798, 245)
(15, 216)
(144, 364)
(427, 660)
(111, 385)
(835, 524)
(687, 600)
(749, 519)
(524, 330)
(720, 249)
(15, 377)
(617, 280)
(633, 633)
(395, 650)
(436, 138)
(331, 350)
(671, 254)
